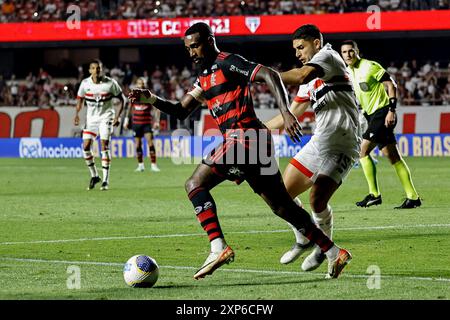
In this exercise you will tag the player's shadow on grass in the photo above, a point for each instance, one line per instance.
(241, 283)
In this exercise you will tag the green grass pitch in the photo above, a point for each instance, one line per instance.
(49, 222)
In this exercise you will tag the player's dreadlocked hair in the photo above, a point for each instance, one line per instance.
(308, 32)
(202, 29)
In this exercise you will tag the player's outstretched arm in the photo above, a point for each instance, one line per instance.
(273, 80)
(299, 76)
(297, 109)
(180, 109)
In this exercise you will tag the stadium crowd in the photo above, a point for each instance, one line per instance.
(425, 84)
(56, 10)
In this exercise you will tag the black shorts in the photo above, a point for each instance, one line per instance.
(377, 132)
(253, 160)
(141, 129)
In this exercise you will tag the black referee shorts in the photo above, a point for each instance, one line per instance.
(377, 132)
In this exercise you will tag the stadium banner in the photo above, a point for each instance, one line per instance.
(372, 21)
(57, 122)
(190, 149)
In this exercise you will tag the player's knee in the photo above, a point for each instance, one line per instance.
(87, 147)
(394, 157)
(283, 210)
(191, 184)
(364, 153)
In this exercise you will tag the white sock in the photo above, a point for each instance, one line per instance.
(141, 165)
(89, 159)
(106, 163)
(218, 245)
(324, 220)
(332, 253)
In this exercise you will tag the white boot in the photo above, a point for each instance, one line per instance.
(154, 168)
(324, 221)
(301, 243)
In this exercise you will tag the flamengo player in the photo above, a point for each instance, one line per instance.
(97, 91)
(224, 85)
(141, 118)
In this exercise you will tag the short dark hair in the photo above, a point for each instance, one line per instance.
(308, 32)
(96, 61)
(202, 29)
(351, 43)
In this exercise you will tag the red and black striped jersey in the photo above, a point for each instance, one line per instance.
(225, 86)
(141, 113)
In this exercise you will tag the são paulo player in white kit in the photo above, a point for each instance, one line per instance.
(97, 91)
(324, 162)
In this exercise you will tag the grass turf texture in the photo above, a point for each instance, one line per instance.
(43, 199)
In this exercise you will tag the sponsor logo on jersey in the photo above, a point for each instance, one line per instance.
(216, 107)
(236, 69)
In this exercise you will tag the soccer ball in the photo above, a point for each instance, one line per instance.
(141, 271)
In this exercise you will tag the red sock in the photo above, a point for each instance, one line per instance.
(205, 209)
(317, 236)
(152, 154)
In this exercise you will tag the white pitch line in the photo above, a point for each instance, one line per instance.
(232, 232)
(269, 272)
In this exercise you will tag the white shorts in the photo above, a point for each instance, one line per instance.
(336, 164)
(98, 126)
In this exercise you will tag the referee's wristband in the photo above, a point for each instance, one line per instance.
(392, 104)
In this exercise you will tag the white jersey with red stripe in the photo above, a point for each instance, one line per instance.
(333, 100)
(335, 145)
(98, 97)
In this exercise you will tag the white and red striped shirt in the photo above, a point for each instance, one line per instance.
(333, 100)
(98, 96)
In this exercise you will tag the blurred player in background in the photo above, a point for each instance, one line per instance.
(144, 119)
(97, 91)
(223, 84)
(324, 162)
(369, 80)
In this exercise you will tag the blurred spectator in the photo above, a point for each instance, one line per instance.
(8, 11)
(429, 85)
(53, 10)
(13, 89)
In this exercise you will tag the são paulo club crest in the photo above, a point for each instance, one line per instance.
(252, 23)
